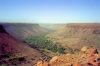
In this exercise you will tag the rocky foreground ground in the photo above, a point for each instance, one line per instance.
(88, 56)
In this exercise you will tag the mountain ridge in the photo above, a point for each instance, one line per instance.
(22, 31)
(77, 35)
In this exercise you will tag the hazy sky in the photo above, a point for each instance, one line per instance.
(50, 11)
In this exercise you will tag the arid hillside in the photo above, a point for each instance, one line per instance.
(15, 52)
(24, 30)
(77, 35)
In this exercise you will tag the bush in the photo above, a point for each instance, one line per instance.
(61, 50)
(21, 58)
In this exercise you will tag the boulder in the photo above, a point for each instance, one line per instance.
(94, 60)
(77, 64)
(91, 50)
(53, 59)
(84, 49)
(42, 63)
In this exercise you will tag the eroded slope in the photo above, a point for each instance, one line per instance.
(76, 35)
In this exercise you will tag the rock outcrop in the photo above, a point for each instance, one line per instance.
(42, 63)
(88, 56)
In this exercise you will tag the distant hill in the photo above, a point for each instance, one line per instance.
(53, 27)
(10, 46)
(77, 35)
(24, 30)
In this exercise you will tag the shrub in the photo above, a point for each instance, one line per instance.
(21, 58)
(61, 50)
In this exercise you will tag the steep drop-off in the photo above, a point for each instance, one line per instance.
(24, 30)
(10, 46)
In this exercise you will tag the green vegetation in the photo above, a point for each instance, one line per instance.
(43, 42)
(61, 50)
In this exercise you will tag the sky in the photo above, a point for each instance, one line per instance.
(50, 11)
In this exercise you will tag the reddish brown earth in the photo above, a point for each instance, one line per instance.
(88, 56)
(11, 45)
(77, 35)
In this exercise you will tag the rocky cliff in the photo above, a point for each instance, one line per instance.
(88, 56)
(85, 28)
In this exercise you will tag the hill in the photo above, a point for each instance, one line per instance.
(23, 30)
(15, 52)
(77, 35)
(53, 27)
